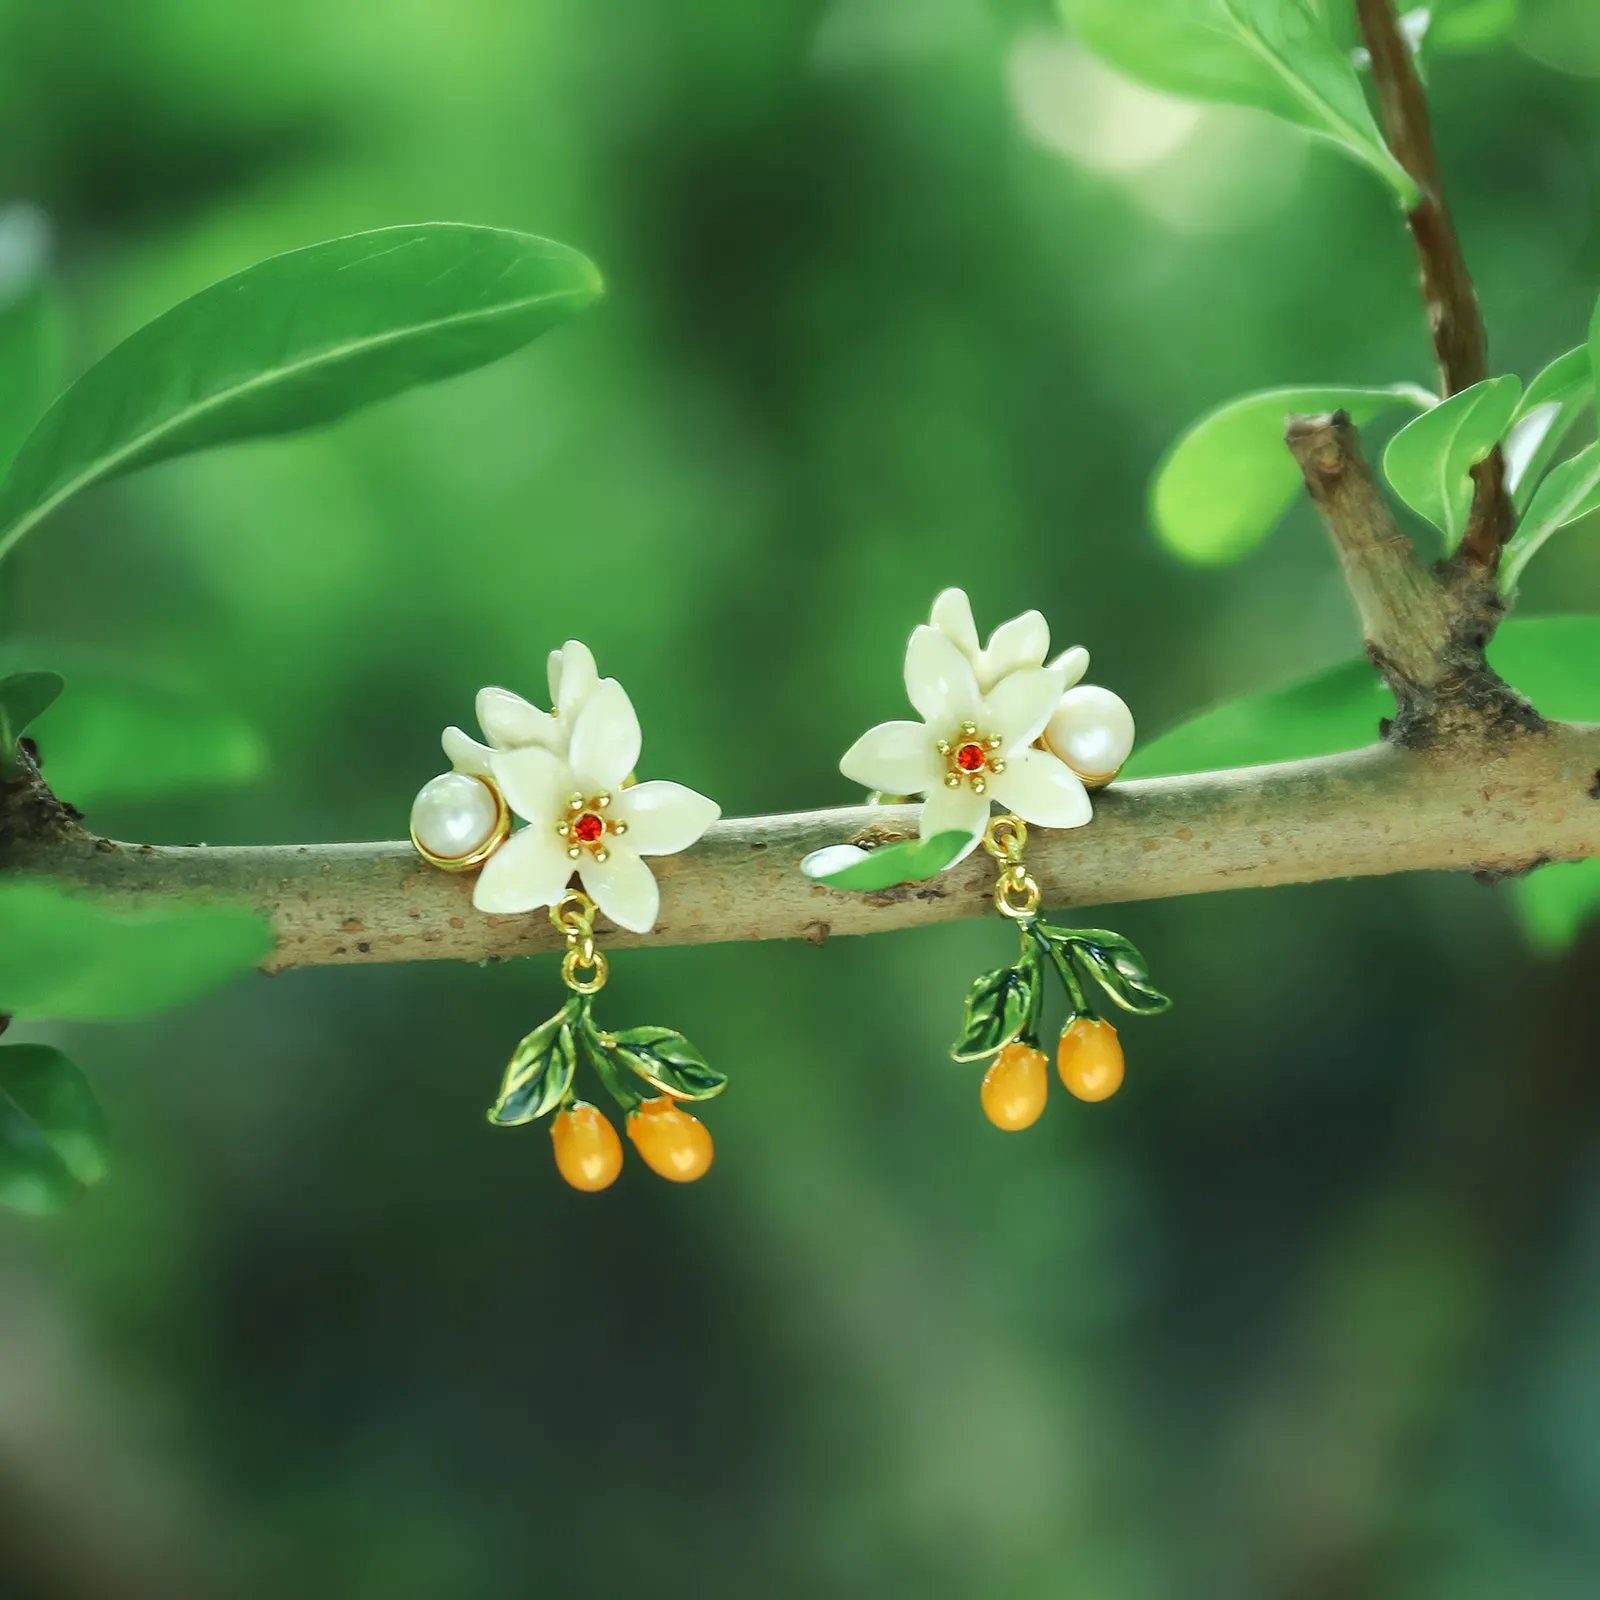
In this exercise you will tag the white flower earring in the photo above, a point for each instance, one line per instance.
(568, 773)
(999, 726)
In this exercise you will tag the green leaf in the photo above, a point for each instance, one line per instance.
(1226, 484)
(1570, 492)
(23, 696)
(665, 1060)
(121, 734)
(1429, 462)
(295, 341)
(1275, 55)
(540, 1072)
(1554, 903)
(52, 1131)
(845, 866)
(1114, 962)
(70, 957)
(1463, 25)
(1554, 661)
(1545, 416)
(1001, 1006)
(1336, 709)
(30, 326)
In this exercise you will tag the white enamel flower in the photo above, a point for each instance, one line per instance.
(972, 746)
(582, 815)
(1091, 730)
(509, 722)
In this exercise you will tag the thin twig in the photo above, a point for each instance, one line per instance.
(1454, 316)
(1494, 808)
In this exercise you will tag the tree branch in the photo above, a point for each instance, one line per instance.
(1497, 808)
(1425, 629)
(1459, 339)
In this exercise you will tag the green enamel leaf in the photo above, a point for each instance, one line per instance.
(52, 1131)
(1552, 405)
(23, 696)
(30, 326)
(1228, 482)
(1001, 1006)
(665, 1060)
(1112, 961)
(539, 1075)
(1430, 461)
(120, 734)
(906, 861)
(67, 956)
(1569, 493)
(1554, 903)
(295, 341)
(1275, 55)
(1554, 661)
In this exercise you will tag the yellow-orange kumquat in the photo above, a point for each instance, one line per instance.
(1090, 1059)
(1015, 1087)
(672, 1144)
(588, 1151)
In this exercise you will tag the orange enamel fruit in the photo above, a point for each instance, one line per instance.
(672, 1144)
(1015, 1087)
(1090, 1059)
(588, 1151)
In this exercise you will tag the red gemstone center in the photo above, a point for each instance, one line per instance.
(971, 757)
(588, 827)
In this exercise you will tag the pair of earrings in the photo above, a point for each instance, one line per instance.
(996, 725)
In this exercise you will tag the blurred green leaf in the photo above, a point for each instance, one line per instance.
(1570, 492)
(1544, 417)
(23, 697)
(1228, 481)
(53, 1135)
(1275, 55)
(1555, 661)
(665, 1060)
(66, 956)
(1469, 24)
(297, 340)
(540, 1071)
(847, 866)
(122, 734)
(1554, 902)
(30, 326)
(1429, 462)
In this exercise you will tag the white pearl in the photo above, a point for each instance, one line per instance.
(453, 815)
(1092, 731)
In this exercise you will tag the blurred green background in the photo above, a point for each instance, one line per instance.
(903, 293)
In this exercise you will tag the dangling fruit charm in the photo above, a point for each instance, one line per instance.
(1090, 1058)
(1015, 1087)
(588, 1151)
(671, 1143)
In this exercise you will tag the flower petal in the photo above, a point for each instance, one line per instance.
(1073, 662)
(663, 818)
(574, 680)
(623, 887)
(464, 753)
(894, 757)
(955, 811)
(1042, 791)
(508, 720)
(1019, 706)
(528, 871)
(605, 736)
(952, 616)
(1014, 645)
(536, 782)
(940, 681)
(832, 858)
